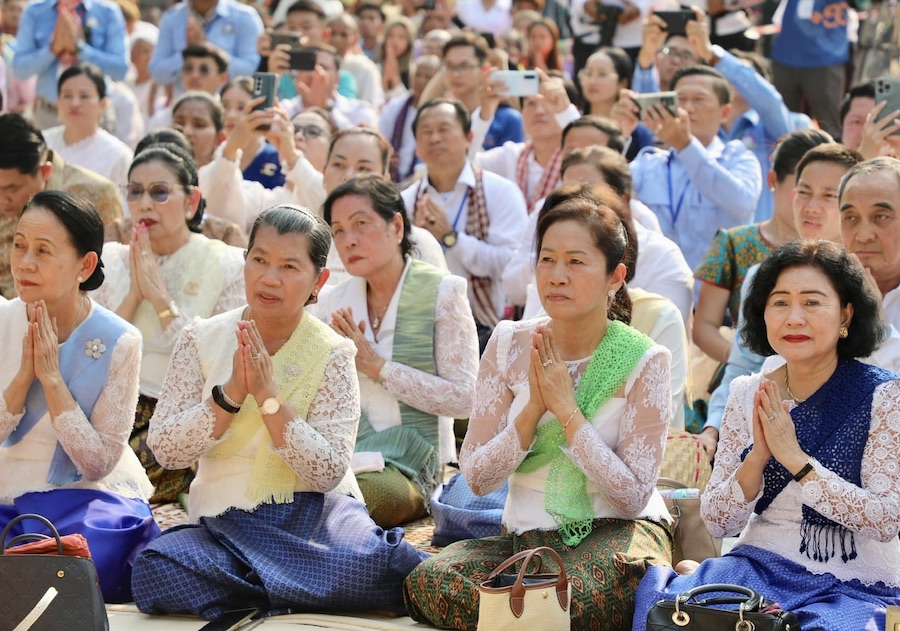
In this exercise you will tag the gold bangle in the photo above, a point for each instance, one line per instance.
(571, 416)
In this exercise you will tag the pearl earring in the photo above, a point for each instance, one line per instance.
(80, 279)
(611, 293)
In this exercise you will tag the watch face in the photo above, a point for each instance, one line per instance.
(449, 239)
(270, 406)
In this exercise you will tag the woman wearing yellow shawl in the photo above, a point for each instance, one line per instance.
(265, 399)
(572, 409)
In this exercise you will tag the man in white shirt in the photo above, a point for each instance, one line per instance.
(477, 216)
(869, 197)
(318, 88)
(485, 16)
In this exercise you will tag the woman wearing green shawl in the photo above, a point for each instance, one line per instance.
(573, 410)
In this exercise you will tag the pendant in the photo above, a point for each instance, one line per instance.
(376, 322)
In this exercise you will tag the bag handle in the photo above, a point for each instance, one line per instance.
(517, 593)
(40, 518)
(750, 603)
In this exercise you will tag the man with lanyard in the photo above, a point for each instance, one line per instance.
(477, 216)
(533, 165)
(230, 25)
(53, 35)
(700, 184)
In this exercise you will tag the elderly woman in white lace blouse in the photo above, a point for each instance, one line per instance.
(417, 348)
(164, 278)
(573, 410)
(265, 396)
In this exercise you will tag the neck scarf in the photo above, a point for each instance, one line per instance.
(549, 180)
(397, 143)
(566, 498)
(412, 446)
(84, 361)
(477, 225)
(272, 479)
(833, 427)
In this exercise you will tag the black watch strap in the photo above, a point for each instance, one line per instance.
(218, 395)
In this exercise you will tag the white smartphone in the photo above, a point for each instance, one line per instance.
(519, 82)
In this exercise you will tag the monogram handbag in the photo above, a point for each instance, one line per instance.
(692, 538)
(523, 601)
(48, 589)
(689, 613)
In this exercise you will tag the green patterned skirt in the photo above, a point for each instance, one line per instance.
(391, 497)
(604, 570)
(167, 484)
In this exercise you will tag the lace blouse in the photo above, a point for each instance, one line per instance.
(97, 447)
(188, 274)
(871, 511)
(318, 448)
(451, 392)
(620, 450)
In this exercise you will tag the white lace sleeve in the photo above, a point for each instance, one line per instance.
(723, 505)
(492, 449)
(629, 473)
(319, 448)
(95, 446)
(8, 422)
(182, 425)
(874, 509)
(452, 391)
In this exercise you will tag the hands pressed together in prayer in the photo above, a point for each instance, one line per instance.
(147, 282)
(774, 434)
(251, 366)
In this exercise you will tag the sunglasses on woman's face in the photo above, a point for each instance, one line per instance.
(158, 192)
(310, 132)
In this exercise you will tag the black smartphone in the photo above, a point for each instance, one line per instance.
(676, 21)
(233, 620)
(290, 39)
(303, 59)
(430, 5)
(264, 84)
(887, 91)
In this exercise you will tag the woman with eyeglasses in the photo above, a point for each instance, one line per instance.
(313, 128)
(259, 159)
(167, 275)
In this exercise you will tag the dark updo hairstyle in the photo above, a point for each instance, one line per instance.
(292, 219)
(593, 208)
(82, 223)
(180, 162)
(384, 197)
(90, 71)
(868, 328)
(164, 136)
(791, 148)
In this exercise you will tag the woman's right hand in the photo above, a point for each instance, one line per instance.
(245, 130)
(760, 449)
(26, 374)
(236, 386)
(134, 256)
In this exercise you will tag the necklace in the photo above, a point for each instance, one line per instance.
(78, 316)
(787, 386)
(376, 322)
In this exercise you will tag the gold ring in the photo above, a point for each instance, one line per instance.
(255, 356)
(547, 363)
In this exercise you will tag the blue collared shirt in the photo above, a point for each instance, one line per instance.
(234, 28)
(104, 48)
(698, 190)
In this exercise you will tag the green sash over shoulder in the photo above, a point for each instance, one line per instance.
(413, 446)
(565, 497)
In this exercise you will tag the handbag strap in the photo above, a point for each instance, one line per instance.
(750, 602)
(517, 592)
(40, 518)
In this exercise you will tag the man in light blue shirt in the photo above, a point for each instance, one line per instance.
(231, 26)
(700, 184)
(45, 39)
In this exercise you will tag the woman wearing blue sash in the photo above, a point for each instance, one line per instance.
(573, 410)
(417, 348)
(70, 383)
(806, 470)
(265, 399)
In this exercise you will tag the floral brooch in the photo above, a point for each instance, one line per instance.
(94, 348)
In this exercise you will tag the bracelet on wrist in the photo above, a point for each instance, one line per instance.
(571, 416)
(218, 396)
(805, 471)
(230, 400)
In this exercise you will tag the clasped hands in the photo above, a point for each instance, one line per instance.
(774, 434)
(146, 278)
(251, 366)
(549, 383)
(40, 348)
(368, 361)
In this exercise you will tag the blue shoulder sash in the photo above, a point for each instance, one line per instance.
(84, 361)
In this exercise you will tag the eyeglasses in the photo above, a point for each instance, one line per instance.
(310, 132)
(680, 55)
(158, 192)
(204, 70)
(452, 69)
(584, 75)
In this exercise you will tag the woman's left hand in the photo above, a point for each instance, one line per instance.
(368, 361)
(258, 368)
(778, 426)
(46, 346)
(552, 375)
(149, 276)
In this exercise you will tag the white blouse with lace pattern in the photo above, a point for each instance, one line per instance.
(872, 511)
(620, 450)
(448, 394)
(98, 447)
(318, 447)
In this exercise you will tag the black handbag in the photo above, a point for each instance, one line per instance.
(48, 592)
(688, 613)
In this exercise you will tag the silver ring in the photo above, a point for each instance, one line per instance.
(772, 415)
(255, 356)
(547, 363)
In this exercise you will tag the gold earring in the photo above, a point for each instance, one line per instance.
(843, 332)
